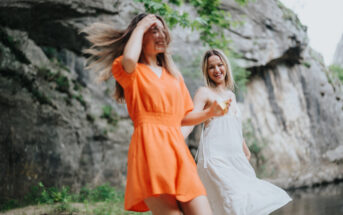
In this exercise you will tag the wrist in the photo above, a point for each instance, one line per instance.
(139, 29)
(208, 113)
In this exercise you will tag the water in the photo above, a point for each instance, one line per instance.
(320, 200)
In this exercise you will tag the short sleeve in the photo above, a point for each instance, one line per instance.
(123, 78)
(187, 99)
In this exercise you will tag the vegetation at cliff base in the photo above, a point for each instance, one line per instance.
(101, 200)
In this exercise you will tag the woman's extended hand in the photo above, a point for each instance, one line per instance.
(147, 22)
(218, 109)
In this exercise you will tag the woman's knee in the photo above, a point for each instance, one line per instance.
(198, 206)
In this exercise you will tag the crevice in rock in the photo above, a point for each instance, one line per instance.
(28, 84)
(239, 34)
(8, 41)
(290, 57)
(277, 110)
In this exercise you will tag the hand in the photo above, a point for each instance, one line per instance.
(147, 22)
(217, 109)
(225, 105)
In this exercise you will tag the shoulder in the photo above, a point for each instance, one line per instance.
(203, 92)
(231, 94)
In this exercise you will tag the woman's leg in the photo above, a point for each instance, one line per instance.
(197, 206)
(163, 205)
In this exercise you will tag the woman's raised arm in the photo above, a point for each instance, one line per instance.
(133, 47)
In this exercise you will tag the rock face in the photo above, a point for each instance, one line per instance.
(57, 125)
(338, 57)
(61, 128)
(295, 111)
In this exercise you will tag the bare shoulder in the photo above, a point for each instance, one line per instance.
(232, 94)
(201, 98)
(202, 92)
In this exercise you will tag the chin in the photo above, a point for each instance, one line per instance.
(160, 50)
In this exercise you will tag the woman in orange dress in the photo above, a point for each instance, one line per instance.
(162, 175)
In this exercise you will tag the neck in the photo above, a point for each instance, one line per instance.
(220, 88)
(150, 60)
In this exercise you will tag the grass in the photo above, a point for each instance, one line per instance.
(101, 200)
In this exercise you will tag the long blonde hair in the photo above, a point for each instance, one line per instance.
(229, 81)
(107, 44)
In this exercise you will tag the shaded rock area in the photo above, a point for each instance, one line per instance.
(59, 127)
(53, 125)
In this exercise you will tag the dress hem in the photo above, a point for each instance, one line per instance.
(275, 207)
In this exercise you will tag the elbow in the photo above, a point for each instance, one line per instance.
(128, 64)
(183, 122)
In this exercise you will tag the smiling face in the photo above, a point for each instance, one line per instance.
(155, 39)
(216, 70)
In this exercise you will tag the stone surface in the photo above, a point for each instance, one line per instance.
(338, 57)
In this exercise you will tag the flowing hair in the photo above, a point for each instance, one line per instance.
(108, 43)
(229, 81)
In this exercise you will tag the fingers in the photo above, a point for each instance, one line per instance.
(148, 21)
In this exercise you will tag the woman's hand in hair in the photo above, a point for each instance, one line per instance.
(147, 22)
(133, 47)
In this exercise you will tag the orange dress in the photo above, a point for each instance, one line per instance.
(159, 161)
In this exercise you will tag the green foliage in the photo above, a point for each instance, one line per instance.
(240, 74)
(288, 14)
(101, 200)
(53, 195)
(62, 83)
(337, 71)
(111, 116)
(40, 96)
(211, 21)
(45, 73)
(80, 99)
(77, 85)
(50, 52)
(306, 64)
(9, 204)
(13, 43)
(101, 193)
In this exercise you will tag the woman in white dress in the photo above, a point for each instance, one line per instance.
(223, 156)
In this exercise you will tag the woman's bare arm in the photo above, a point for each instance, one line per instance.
(133, 47)
(246, 150)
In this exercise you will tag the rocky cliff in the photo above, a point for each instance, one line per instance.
(296, 112)
(338, 57)
(61, 128)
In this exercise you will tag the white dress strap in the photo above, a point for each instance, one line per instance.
(203, 147)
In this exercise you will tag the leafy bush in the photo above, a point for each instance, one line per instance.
(101, 200)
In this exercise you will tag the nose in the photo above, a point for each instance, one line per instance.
(217, 68)
(160, 33)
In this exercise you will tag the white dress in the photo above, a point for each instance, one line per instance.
(230, 181)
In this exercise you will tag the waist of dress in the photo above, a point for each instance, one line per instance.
(157, 118)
